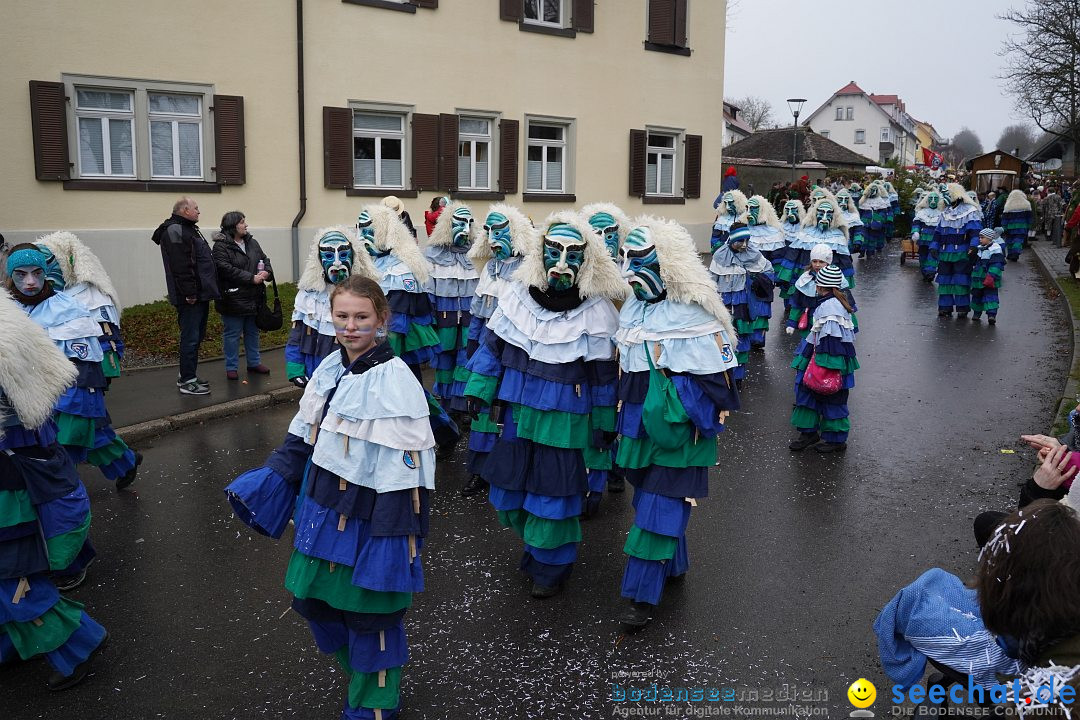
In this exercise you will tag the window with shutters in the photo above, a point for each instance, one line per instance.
(139, 130)
(378, 150)
(547, 146)
(552, 13)
(474, 153)
(661, 153)
(667, 26)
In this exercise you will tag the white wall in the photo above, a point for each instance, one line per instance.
(867, 117)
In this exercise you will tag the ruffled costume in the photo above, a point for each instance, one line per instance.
(1015, 221)
(832, 342)
(856, 231)
(876, 218)
(924, 226)
(988, 261)
(957, 233)
(797, 261)
(734, 275)
(891, 215)
(804, 299)
(354, 474)
(690, 346)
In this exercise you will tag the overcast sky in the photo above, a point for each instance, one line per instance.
(778, 49)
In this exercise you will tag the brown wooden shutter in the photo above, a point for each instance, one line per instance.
(583, 15)
(337, 147)
(638, 139)
(229, 158)
(680, 23)
(48, 118)
(692, 167)
(508, 156)
(448, 151)
(425, 3)
(513, 10)
(662, 22)
(425, 151)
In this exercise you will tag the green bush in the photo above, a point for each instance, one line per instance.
(151, 335)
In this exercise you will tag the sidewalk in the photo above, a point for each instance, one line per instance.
(144, 403)
(1052, 261)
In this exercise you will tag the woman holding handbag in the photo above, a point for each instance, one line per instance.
(242, 268)
(825, 366)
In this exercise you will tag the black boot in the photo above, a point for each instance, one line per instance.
(615, 482)
(828, 447)
(129, 477)
(805, 440)
(63, 682)
(543, 592)
(636, 617)
(475, 486)
(961, 314)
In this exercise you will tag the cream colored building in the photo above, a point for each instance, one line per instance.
(114, 109)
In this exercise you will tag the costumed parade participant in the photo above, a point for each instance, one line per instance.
(956, 236)
(874, 209)
(546, 367)
(453, 285)
(825, 366)
(676, 389)
(731, 209)
(856, 231)
(1015, 221)
(44, 508)
(331, 260)
(804, 299)
(894, 209)
(738, 272)
(856, 192)
(355, 469)
(792, 218)
(986, 275)
(498, 254)
(923, 227)
(767, 237)
(85, 429)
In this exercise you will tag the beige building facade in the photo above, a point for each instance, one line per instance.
(112, 110)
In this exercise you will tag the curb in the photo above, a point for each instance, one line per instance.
(143, 368)
(153, 428)
(1072, 386)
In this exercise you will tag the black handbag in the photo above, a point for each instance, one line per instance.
(265, 318)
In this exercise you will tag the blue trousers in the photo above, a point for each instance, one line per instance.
(235, 326)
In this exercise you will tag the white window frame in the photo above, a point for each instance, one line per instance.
(175, 119)
(857, 140)
(376, 108)
(677, 136)
(885, 135)
(567, 145)
(474, 140)
(564, 14)
(839, 112)
(106, 117)
(849, 113)
(140, 144)
(825, 134)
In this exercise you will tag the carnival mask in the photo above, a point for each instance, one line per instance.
(564, 253)
(461, 226)
(753, 211)
(604, 225)
(497, 227)
(824, 216)
(53, 273)
(816, 194)
(944, 190)
(933, 200)
(366, 230)
(791, 212)
(843, 198)
(640, 264)
(872, 190)
(729, 204)
(856, 190)
(336, 256)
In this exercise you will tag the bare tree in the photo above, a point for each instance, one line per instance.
(1017, 139)
(965, 145)
(754, 111)
(1041, 70)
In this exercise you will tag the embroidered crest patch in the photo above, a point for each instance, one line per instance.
(411, 285)
(726, 354)
(81, 349)
(407, 458)
(104, 314)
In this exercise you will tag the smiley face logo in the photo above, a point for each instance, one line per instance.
(862, 693)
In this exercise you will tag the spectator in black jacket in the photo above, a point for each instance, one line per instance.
(191, 278)
(242, 269)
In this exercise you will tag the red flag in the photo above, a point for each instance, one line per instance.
(932, 158)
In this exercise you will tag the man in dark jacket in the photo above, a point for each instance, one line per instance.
(191, 278)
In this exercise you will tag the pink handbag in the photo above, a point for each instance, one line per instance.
(804, 320)
(822, 381)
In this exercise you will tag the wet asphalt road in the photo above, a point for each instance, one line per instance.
(792, 555)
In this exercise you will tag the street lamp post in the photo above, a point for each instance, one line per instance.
(795, 105)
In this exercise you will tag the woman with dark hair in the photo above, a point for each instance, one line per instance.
(242, 268)
(431, 215)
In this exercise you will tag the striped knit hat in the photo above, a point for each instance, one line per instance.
(829, 277)
(992, 233)
(739, 233)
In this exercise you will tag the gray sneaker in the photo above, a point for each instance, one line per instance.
(192, 387)
(197, 380)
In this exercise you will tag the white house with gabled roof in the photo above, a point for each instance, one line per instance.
(877, 126)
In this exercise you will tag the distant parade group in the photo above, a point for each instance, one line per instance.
(580, 353)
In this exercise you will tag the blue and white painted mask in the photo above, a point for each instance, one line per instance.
(843, 199)
(640, 264)
(366, 230)
(791, 212)
(824, 216)
(933, 199)
(460, 228)
(497, 227)
(605, 225)
(564, 254)
(729, 204)
(53, 273)
(336, 256)
(753, 211)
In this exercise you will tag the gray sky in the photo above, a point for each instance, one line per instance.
(778, 49)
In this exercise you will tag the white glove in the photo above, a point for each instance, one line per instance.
(789, 330)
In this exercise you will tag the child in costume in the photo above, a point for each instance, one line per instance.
(354, 474)
(507, 235)
(676, 389)
(856, 231)
(731, 209)
(986, 275)
(547, 355)
(804, 299)
(923, 228)
(85, 429)
(874, 211)
(821, 418)
(331, 259)
(737, 269)
(453, 285)
(44, 508)
(956, 236)
(1016, 221)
